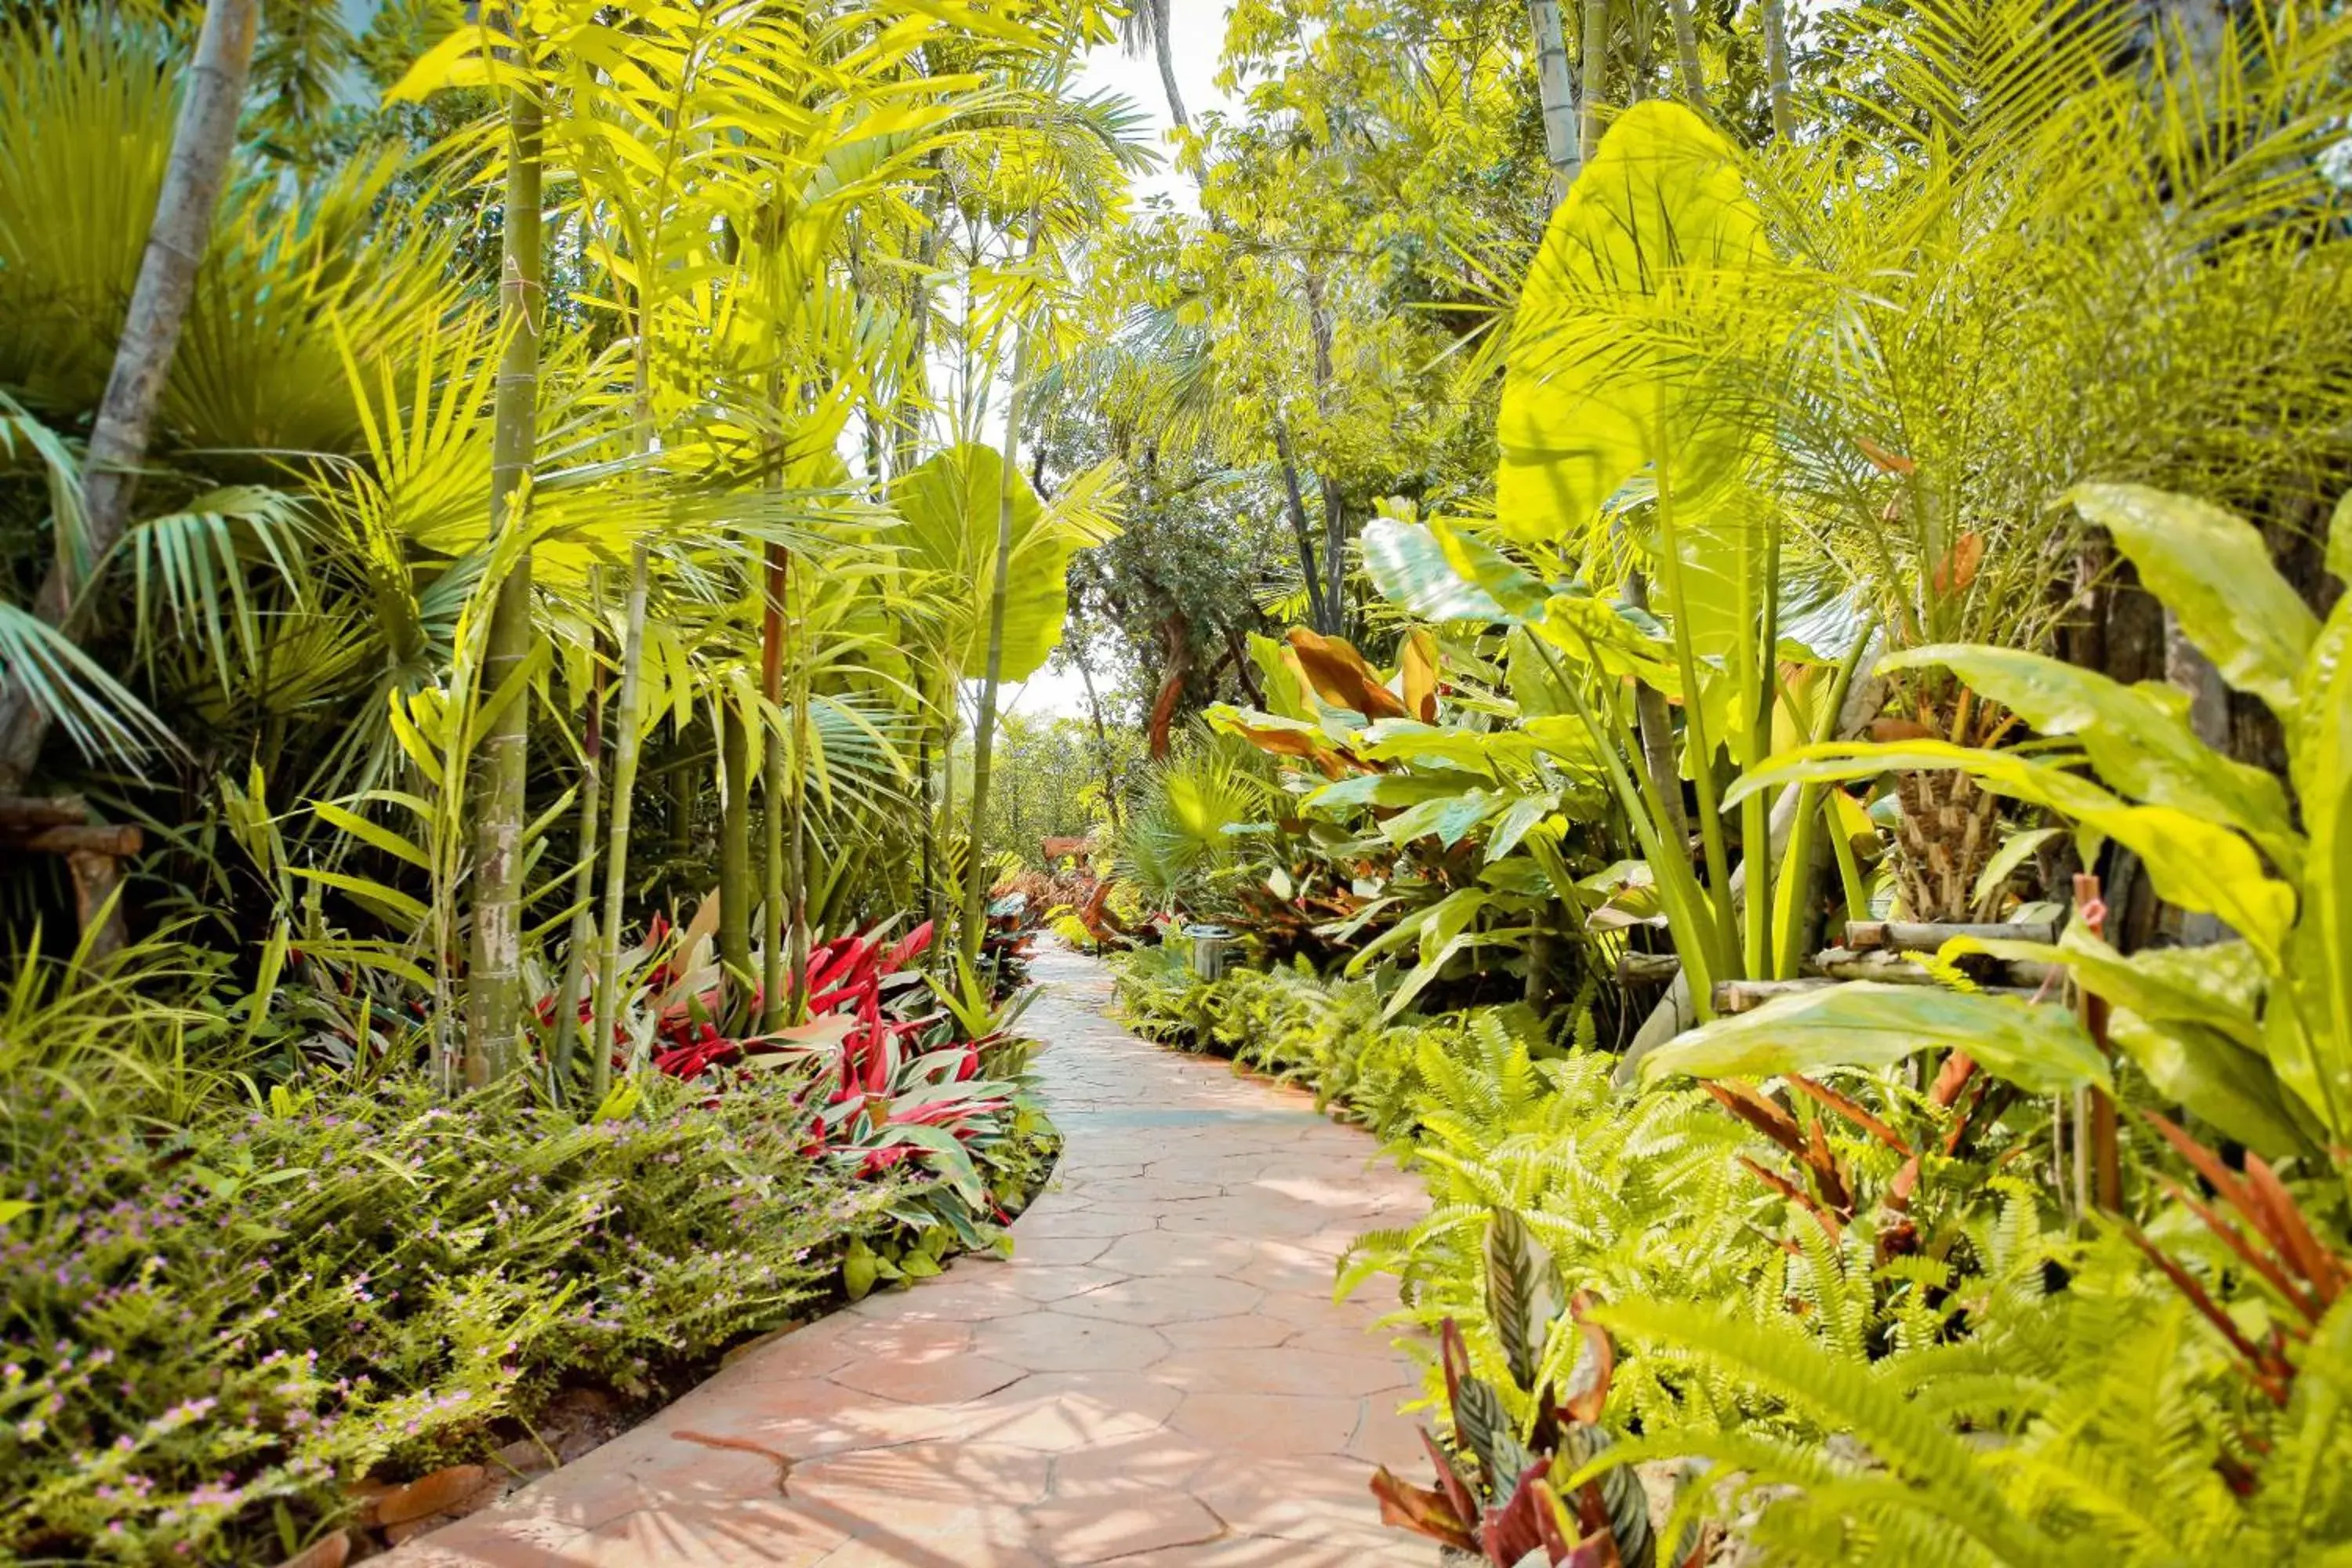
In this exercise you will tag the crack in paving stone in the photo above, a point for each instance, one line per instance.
(783, 1462)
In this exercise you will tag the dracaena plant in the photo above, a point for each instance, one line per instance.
(1518, 1489)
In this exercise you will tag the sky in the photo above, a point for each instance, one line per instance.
(1197, 28)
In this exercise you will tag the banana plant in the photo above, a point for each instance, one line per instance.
(1619, 448)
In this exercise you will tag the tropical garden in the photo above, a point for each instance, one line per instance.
(1724, 623)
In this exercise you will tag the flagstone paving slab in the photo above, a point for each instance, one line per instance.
(1157, 1376)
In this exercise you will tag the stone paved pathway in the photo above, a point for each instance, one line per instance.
(1158, 1376)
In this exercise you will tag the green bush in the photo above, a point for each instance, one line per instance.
(209, 1333)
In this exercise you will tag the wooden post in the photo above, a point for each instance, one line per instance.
(59, 824)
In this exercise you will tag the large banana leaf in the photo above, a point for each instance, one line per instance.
(2319, 960)
(1601, 376)
(1441, 572)
(2042, 1049)
(949, 505)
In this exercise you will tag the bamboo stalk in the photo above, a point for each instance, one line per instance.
(772, 790)
(735, 842)
(625, 744)
(583, 925)
(494, 988)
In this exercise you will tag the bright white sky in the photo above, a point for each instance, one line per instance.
(1198, 30)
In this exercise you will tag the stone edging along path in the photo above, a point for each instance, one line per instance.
(1158, 1374)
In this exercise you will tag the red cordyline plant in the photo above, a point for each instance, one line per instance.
(1507, 1491)
(891, 1090)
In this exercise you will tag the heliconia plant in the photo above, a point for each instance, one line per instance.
(1518, 1493)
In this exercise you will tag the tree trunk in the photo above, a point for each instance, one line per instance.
(1161, 47)
(1295, 502)
(775, 1006)
(1693, 75)
(583, 923)
(494, 991)
(796, 845)
(925, 771)
(1557, 94)
(1776, 69)
(1177, 632)
(735, 844)
(1102, 743)
(1244, 667)
(201, 140)
(1335, 511)
(983, 741)
(1594, 87)
(605, 1013)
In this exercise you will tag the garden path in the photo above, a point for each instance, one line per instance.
(1157, 1376)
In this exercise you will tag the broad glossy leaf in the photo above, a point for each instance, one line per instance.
(2213, 1078)
(951, 506)
(1441, 574)
(2212, 569)
(1385, 789)
(1595, 381)
(1450, 817)
(2193, 862)
(2218, 987)
(1589, 628)
(2320, 966)
(1432, 745)
(2139, 743)
(2042, 1049)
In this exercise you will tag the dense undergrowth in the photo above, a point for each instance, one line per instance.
(1968, 1377)
(234, 1295)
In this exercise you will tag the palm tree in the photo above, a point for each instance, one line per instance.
(176, 241)
(1146, 27)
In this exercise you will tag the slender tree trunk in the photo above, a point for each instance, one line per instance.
(1162, 47)
(1692, 75)
(1557, 95)
(1335, 510)
(1776, 69)
(583, 923)
(1656, 724)
(1177, 632)
(1243, 671)
(1594, 87)
(775, 1007)
(494, 992)
(1294, 503)
(796, 861)
(735, 844)
(201, 140)
(915, 397)
(1102, 742)
(616, 854)
(926, 769)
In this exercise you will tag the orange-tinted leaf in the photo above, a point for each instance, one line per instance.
(1585, 1405)
(1959, 567)
(1341, 677)
(1885, 461)
(1420, 673)
(1420, 1510)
